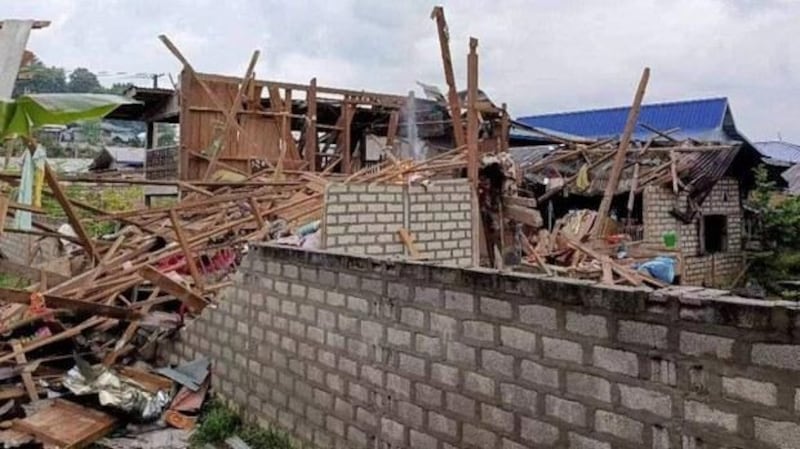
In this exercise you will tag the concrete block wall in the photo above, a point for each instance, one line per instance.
(355, 352)
(699, 269)
(365, 219)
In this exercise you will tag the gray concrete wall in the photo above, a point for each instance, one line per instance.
(365, 219)
(351, 352)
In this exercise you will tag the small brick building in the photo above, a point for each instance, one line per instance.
(710, 243)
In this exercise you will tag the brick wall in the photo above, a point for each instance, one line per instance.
(353, 352)
(365, 219)
(708, 269)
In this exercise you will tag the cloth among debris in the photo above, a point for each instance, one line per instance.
(661, 268)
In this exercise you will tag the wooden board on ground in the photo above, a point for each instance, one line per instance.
(66, 424)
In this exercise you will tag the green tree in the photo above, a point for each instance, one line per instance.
(118, 88)
(166, 134)
(81, 80)
(40, 79)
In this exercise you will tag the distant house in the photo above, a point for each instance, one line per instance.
(781, 160)
(119, 159)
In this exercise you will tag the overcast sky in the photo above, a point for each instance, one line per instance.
(537, 55)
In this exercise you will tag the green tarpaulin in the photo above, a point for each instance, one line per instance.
(28, 112)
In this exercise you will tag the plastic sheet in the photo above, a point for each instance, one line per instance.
(661, 268)
(118, 392)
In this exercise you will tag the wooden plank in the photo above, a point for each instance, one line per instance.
(3, 211)
(72, 217)
(259, 219)
(447, 65)
(408, 241)
(620, 155)
(673, 169)
(111, 358)
(58, 302)
(505, 127)
(69, 333)
(27, 378)
(187, 253)
(192, 300)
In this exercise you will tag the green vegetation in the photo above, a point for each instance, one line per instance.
(11, 281)
(218, 422)
(780, 220)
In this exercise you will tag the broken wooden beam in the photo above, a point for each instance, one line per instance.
(193, 301)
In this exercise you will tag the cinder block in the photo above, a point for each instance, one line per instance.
(589, 325)
(640, 333)
(765, 393)
(479, 330)
(707, 345)
(641, 399)
(704, 414)
(494, 307)
(460, 404)
(445, 374)
(616, 361)
(422, 441)
(442, 425)
(539, 316)
(477, 383)
(538, 432)
(411, 365)
(538, 374)
(556, 348)
(568, 411)
(398, 337)
(497, 418)
(478, 437)
(459, 301)
(497, 363)
(431, 346)
(590, 386)
(781, 434)
(460, 353)
(519, 339)
(412, 317)
(577, 441)
(519, 398)
(619, 426)
(393, 431)
(779, 356)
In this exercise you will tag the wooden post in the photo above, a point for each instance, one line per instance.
(504, 130)
(391, 133)
(472, 147)
(310, 147)
(347, 110)
(187, 252)
(72, 217)
(619, 159)
(447, 63)
(472, 112)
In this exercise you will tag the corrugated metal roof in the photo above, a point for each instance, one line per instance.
(699, 119)
(779, 151)
(792, 177)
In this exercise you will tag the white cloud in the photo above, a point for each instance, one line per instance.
(538, 56)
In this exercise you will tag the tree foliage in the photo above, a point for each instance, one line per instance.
(40, 79)
(780, 217)
(81, 80)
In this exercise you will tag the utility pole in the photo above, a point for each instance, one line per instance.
(155, 77)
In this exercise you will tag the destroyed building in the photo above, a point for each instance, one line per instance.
(687, 176)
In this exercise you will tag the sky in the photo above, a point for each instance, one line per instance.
(538, 56)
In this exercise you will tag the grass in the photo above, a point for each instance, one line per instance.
(218, 422)
(11, 281)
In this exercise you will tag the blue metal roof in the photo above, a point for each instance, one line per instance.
(779, 151)
(698, 119)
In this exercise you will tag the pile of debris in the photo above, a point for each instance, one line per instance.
(95, 329)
